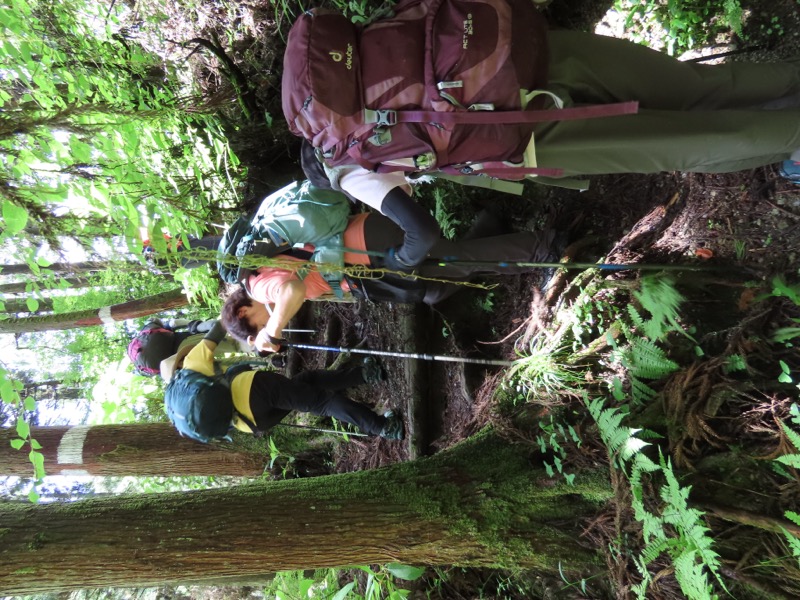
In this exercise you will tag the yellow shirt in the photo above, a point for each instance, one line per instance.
(201, 359)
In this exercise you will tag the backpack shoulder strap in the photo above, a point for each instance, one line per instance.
(250, 424)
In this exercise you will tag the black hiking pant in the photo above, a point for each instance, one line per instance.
(319, 392)
(479, 246)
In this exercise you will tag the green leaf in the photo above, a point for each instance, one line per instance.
(23, 429)
(30, 403)
(37, 460)
(17, 444)
(14, 216)
(342, 593)
(7, 393)
(32, 304)
(35, 445)
(405, 571)
(304, 585)
(33, 496)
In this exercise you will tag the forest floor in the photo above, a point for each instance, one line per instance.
(749, 219)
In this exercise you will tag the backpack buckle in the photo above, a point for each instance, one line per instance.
(380, 117)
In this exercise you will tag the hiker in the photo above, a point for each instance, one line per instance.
(161, 340)
(261, 399)
(691, 117)
(247, 316)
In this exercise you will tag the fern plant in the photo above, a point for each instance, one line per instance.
(639, 353)
(677, 530)
(791, 460)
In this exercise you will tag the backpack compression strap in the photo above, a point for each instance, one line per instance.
(491, 117)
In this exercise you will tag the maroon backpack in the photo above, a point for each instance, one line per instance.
(435, 86)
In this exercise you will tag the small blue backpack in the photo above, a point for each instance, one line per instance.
(199, 406)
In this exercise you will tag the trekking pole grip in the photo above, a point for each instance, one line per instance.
(278, 341)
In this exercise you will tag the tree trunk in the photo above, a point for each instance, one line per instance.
(21, 287)
(143, 449)
(109, 314)
(479, 504)
(80, 267)
(20, 305)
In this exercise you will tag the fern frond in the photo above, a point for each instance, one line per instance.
(653, 551)
(645, 359)
(691, 577)
(636, 318)
(640, 391)
(659, 296)
(688, 522)
(793, 436)
(791, 460)
(793, 541)
(792, 516)
(632, 446)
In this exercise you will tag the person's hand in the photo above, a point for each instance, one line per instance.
(393, 263)
(264, 342)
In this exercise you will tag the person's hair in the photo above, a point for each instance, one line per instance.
(239, 327)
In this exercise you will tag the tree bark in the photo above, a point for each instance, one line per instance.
(86, 318)
(138, 449)
(479, 504)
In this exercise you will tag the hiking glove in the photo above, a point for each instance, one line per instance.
(217, 333)
(198, 326)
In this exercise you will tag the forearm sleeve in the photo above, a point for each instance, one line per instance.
(421, 229)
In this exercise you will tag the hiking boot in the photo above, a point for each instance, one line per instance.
(372, 371)
(393, 429)
(790, 170)
(560, 243)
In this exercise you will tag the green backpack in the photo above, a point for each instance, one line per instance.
(296, 214)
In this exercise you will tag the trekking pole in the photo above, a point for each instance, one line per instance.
(453, 261)
(342, 433)
(418, 356)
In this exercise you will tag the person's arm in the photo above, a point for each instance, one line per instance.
(201, 357)
(419, 226)
(390, 194)
(290, 297)
(215, 335)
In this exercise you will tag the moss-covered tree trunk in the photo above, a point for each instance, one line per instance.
(97, 316)
(480, 504)
(144, 449)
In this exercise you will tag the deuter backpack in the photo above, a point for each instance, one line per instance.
(296, 214)
(199, 406)
(444, 86)
(149, 348)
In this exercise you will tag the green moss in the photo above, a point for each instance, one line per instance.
(119, 454)
(25, 571)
